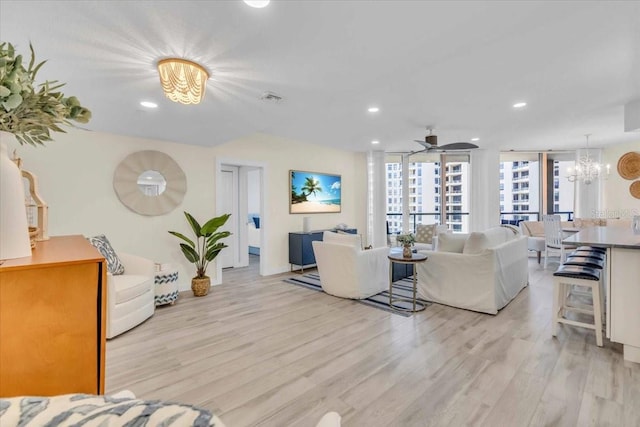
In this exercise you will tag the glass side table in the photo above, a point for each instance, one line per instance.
(396, 257)
(166, 284)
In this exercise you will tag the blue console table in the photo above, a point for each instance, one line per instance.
(300, 248)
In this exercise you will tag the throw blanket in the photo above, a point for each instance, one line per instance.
(91, 410)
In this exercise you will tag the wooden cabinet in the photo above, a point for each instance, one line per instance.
(301, 249)
(52, 320)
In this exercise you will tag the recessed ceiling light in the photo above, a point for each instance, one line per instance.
(475, 139)
(519, 105)
(149, 104)
(259, 4)
(373, 109)
(375, 141)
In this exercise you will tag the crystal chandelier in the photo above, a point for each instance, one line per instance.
(587, 169)
(183, 81)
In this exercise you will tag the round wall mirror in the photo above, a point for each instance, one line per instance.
(150, 183)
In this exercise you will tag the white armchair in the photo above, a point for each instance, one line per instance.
(130, 296)
(477, 271)
(346, 270)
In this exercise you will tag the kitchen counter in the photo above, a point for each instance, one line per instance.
(622, 277)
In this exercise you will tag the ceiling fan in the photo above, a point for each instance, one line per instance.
(430, 143)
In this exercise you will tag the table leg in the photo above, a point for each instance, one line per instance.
(390, 283)
(415, 273)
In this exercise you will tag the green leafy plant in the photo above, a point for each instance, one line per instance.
(406, 239)
(207, 245)
(29, 113)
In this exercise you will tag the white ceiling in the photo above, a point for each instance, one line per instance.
(458, 66)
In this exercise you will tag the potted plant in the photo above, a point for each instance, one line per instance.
(28, 113)
(204, 250)
(406, 240)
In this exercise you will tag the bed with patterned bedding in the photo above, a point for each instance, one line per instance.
(88, 410)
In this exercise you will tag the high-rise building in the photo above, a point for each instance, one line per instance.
(425, 201)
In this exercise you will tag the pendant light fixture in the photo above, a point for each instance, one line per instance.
(183, 81)
(587, 169)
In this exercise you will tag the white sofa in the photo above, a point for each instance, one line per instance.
(348, 271)
(130, 296)
(481, 271)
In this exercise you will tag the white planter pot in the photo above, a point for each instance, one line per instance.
(14, 231)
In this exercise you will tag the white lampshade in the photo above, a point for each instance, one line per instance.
(14, 230)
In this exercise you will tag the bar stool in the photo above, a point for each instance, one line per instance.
(590, 254)
(575, 275)
(585, 261)
(592, 249)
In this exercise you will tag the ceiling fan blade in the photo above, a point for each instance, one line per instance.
(458, 146)
(425, 144)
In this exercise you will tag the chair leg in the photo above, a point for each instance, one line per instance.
(539, 256)
(557, 291)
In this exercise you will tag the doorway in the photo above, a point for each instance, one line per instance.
(240, 191)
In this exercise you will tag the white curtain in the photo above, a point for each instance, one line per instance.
(376, 193)
(485, 189)
(588, 196)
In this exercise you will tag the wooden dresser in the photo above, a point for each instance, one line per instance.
(52, 320)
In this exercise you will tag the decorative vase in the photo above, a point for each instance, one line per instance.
(406, 251)
(200, 286)
(14, 229)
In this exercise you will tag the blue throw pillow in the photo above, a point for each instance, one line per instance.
(101, 243)
(256, 221)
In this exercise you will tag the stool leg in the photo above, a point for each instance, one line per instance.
(597, 312)
(565, 290)
(603, 296)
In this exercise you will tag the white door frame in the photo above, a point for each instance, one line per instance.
(264, 220)
(234, 222)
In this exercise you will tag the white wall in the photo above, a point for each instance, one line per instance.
(76, 174)
(253, 192)
(278, 156)
(617, 201)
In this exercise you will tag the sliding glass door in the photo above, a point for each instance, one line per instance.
(434, 194)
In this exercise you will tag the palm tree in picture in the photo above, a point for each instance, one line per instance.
(311, 186)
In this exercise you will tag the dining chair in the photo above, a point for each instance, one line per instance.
(553, 237)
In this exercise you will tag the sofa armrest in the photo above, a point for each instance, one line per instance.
(137, 265)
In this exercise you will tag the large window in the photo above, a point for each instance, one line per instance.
(520, 186)
(425, 202)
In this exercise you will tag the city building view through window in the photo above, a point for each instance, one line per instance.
(434, 193)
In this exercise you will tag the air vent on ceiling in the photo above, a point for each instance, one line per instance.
(271, 97)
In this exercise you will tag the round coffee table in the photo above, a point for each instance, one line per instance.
(396, 257)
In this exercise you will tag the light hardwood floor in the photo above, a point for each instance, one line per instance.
(258, 351)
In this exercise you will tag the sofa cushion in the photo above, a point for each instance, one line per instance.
(490, 238)
(425, 233)
(588, 222)
(451, 242)
(532, 228)
(347, 239)
(619, 222)
(101, 243)
(130, 286)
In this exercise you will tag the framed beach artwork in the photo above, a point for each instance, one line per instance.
(313, 192)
